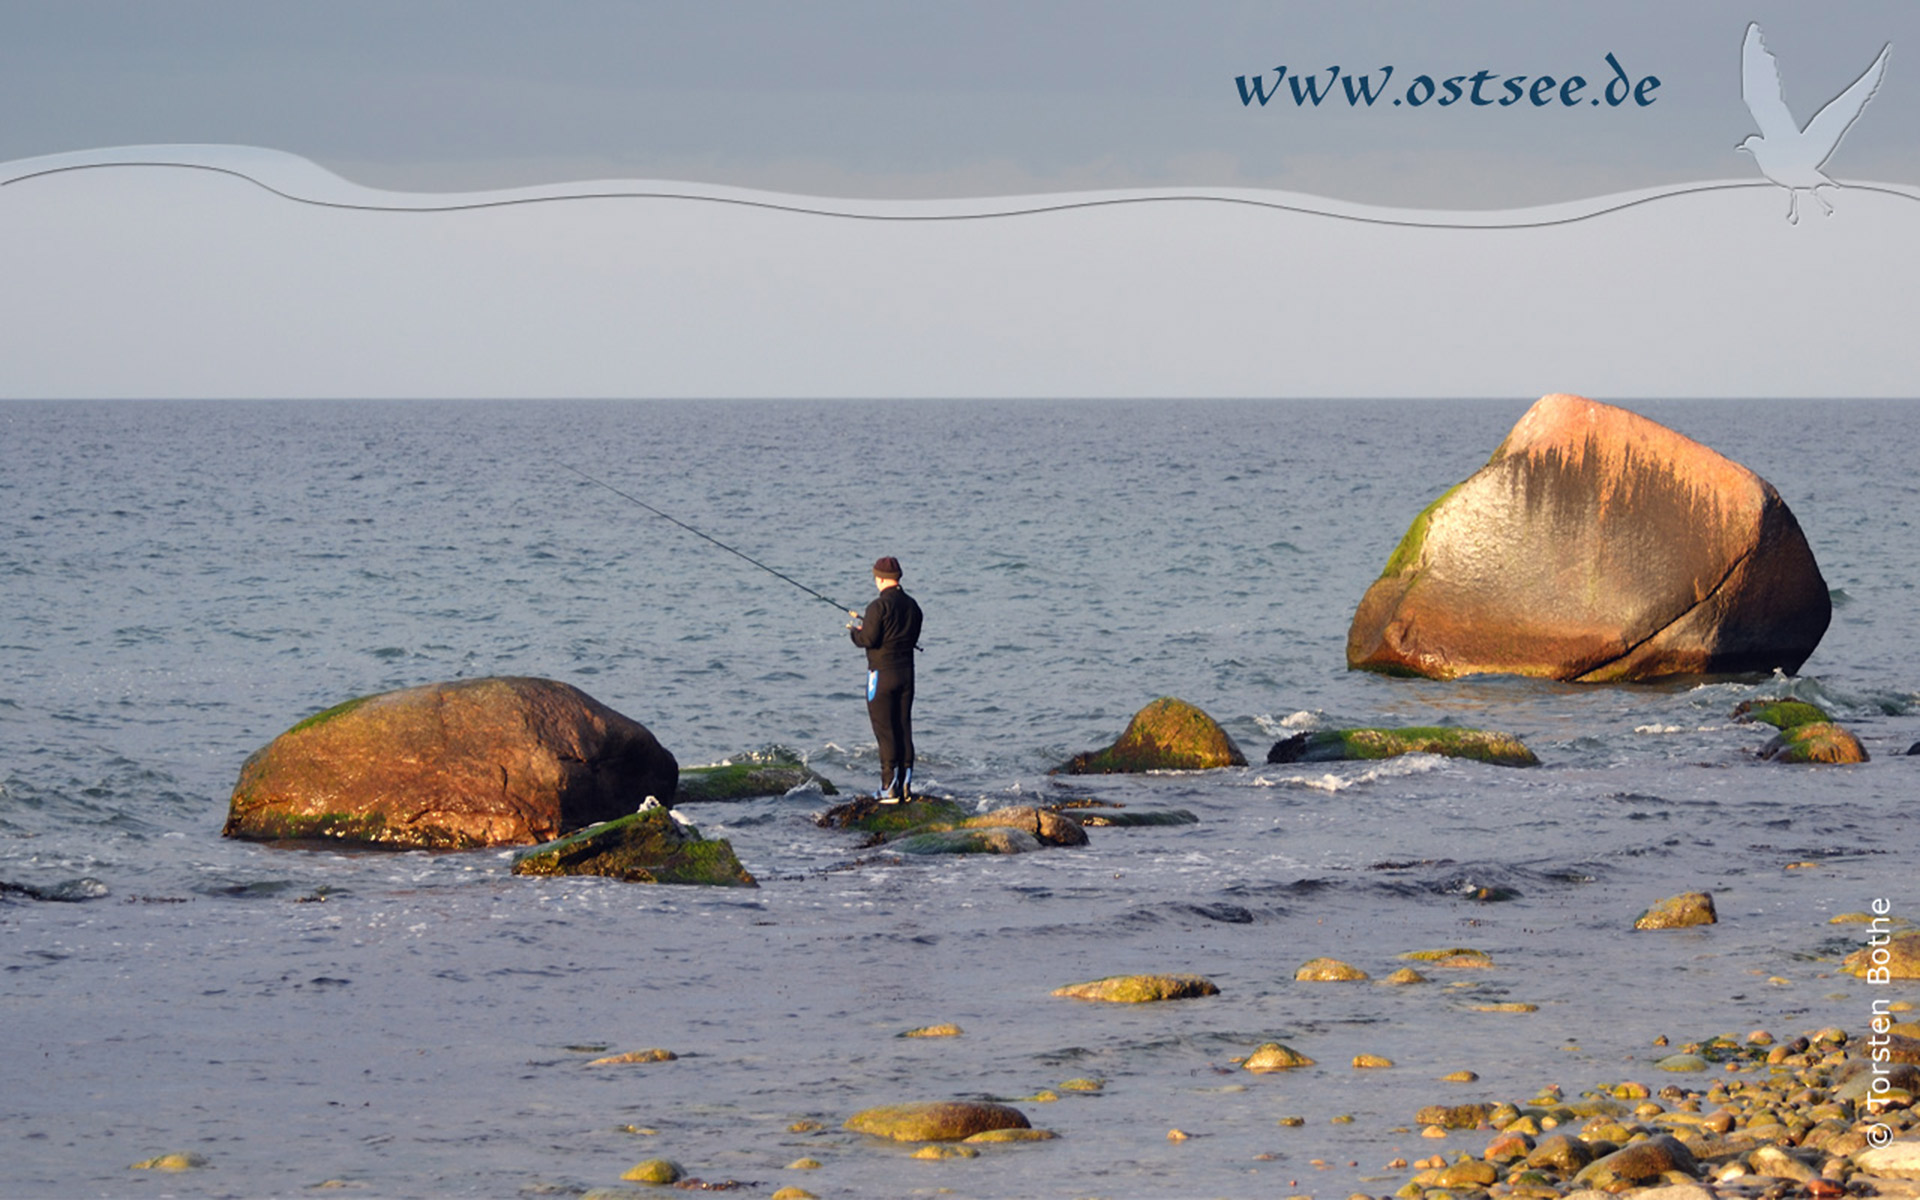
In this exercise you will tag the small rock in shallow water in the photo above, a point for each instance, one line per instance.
(1460, 1077)
(1898, 959)
(1679, 912)
(171, 1162)
(793, 1193)
(1329, 970)
(1404, 977)
(1014, 1135)
(1140, 989)
(654, 1170)
(936, 1121)
(1369, 1062)
(945, 1152)
(635, 1056)
(933, 1031)
(1453, 957)
(1083, 1085)
(804, 1164)
(1821, 742)
(1274, 1056)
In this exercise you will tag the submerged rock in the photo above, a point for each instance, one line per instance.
(1043, 823)
(1596, 546)
(967, 841)
(654, 1170)
(1132, 817)
(1816, 742)
(1337, 745)
(479, 762)
(649, 846)
(1167, 735)
(937, 1121)
(1140, 989)
(1679, 912)
(774, 773)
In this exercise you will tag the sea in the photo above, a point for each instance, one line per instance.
(182, 581)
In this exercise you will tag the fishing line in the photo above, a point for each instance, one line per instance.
(716, 541)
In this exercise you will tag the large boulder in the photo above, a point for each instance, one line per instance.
(477, 762)
(1167, 735)
(1596, 546)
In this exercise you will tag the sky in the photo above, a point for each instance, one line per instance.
(194, 280)
(890, 99)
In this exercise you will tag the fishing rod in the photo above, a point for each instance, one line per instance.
(716, 541)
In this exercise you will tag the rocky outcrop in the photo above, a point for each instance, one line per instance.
(649, 846)
(478, 762)
(1337, 745)
(1167, 735)
(1596, 546)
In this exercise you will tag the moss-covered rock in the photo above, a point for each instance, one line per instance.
(768, 773)
(477, 762)
(1045, 824)
(1779, 713)
(1899, 958)
(1679, 912)
(1536, 564)
(1140, 989)
(649, 846)
(1337, 745)
(1816, 742)
(991, 840)
(869, 815)
(1167, 735)
(937, 1121)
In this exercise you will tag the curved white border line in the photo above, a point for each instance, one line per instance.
(303, 181)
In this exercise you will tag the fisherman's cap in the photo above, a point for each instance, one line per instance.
(886, 568)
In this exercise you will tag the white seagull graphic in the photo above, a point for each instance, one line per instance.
(1787, 154)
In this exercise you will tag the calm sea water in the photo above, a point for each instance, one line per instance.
(181, 582)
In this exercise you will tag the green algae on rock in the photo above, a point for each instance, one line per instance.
(773, 772)
(1679, 912)
(937, 1121)
(868, 815)
(1817, 742)
(1166, 735)
(1341, 745)
(1140, 989)
(991, 840)
(476, 762)
(1779, 712)
(648, 846)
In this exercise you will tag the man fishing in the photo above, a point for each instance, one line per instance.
(889, 630)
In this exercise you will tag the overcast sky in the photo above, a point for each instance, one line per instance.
(943, 99)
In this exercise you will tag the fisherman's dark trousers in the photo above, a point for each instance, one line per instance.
(890, 708)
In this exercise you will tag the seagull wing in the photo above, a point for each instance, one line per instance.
(1831, 123)
(1760, 85)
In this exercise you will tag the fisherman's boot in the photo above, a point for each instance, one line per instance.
(906, 784)
(897, 785)
(888, 793)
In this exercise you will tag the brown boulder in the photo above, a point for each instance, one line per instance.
(478, 762)
(1167, 735)
(1596, 546)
